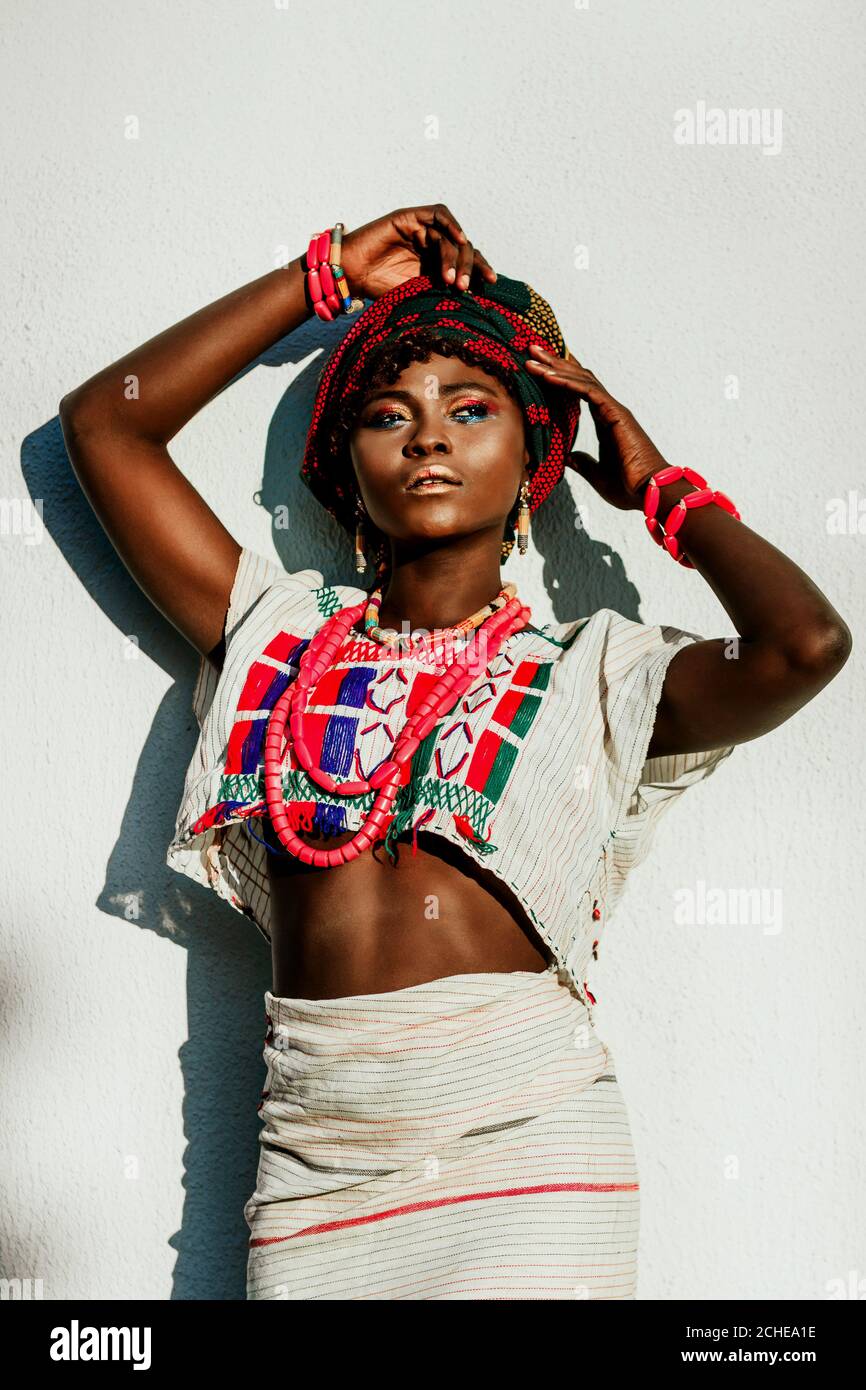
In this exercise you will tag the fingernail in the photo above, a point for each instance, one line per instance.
(450, 273)
(464, 279)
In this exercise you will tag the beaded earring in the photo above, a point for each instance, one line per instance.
(523, 520)
(380, 560)
(522, 525)
(360, 557)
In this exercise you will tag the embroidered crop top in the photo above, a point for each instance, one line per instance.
(539, 773)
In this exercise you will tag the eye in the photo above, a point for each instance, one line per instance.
(474, 410)
(473, 406)
(376, 420)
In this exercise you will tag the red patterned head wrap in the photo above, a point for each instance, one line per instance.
(497, 321)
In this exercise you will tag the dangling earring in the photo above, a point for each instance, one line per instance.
(360, 557)
(523, 520)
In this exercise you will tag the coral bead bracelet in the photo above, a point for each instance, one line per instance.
(701, 497)
(326, 279)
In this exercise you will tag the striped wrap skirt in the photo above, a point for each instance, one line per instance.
(464, 1138)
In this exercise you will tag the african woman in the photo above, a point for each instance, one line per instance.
(427, 803)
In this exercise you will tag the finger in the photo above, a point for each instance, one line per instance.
(551, 362)
(445, 218)
(437, 217)
(458, 258)
(544, 354)
(579, 380)
(552, 366)
(447, 254)
(469, 256)
(580, 461)
(591, 470)
(436, 251)
(465, 257)
(484, 267)
(457, 264)
(596, 396)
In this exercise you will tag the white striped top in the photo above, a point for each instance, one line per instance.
(539, 773)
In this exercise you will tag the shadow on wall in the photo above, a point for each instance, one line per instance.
(229, 965)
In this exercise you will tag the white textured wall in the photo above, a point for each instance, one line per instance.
(131, 1046)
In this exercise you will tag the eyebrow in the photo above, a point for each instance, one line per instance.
(447, 390)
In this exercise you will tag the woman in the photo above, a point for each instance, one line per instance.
(441, 1120)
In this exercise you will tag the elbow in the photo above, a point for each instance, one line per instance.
(69, 410)
(91, 413)
(823, 652)
(69, 404)
(80, 413)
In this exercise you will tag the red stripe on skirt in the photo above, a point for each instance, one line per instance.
(445, 1201)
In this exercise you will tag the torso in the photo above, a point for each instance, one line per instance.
(374, 925)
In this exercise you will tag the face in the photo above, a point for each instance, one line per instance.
(446, 414)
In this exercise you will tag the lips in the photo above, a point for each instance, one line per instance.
(430, 477)
(427, 484)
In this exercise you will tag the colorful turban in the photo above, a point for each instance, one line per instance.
(498, 321)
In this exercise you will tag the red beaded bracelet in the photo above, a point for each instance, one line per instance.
(701, 497)
(326, 279)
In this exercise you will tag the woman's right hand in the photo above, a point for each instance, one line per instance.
(425, 240)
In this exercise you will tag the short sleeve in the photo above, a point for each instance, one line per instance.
(271, 614)
(634, 663)
(254, 576)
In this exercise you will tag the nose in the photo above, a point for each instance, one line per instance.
(429, 438)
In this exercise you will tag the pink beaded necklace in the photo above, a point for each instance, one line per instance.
(452, 683)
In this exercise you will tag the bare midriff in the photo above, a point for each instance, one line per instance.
(374, 925)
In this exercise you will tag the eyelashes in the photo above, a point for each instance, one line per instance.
(375, 421)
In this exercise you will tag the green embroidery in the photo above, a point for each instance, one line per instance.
(403, 812)
(564, 646)
(459, 800)
(500, 771)
(328, 601)
(250, 787)
(419, 791)
(526, 712)
(424, 755)
(541, 679)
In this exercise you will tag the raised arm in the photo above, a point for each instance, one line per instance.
(791, 640)
(117, 426)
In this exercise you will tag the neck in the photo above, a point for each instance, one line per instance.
(440, 586)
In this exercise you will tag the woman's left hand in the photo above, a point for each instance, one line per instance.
(626, 454)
